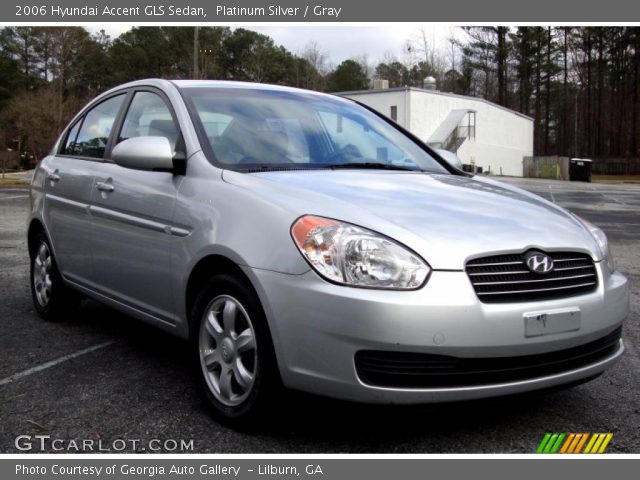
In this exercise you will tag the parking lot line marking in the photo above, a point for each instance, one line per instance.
(13, 197)
(53, 363)
(609, 197)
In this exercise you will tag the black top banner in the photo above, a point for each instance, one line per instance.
(206, 11)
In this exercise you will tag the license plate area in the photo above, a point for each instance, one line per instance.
(547, 322)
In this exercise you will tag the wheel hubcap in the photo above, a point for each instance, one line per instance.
(228, 353)
(42, 274)
(227, 350)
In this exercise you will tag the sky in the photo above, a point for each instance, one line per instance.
(340, 42)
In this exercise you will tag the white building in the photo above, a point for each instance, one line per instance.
(480, 132)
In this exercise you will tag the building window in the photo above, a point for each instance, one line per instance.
(394, 113)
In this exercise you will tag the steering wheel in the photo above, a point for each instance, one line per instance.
(342, 156)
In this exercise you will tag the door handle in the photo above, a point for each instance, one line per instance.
(105, 187)
(53, 177)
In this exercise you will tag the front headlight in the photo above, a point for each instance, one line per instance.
(351, 255)
(603, 243)
(601, 239)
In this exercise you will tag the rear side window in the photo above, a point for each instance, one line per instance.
(149, 116)
(96, 127)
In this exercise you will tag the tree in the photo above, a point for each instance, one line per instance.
(10, 75)
(141, 52)
(18, 44)
(523, 50)
(32, 118)
(251, 56)
(347, 76)
(395, 72)
(426, 52)
(316, 68)
(488, 50)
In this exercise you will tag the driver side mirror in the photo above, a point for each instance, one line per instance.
(144, 153)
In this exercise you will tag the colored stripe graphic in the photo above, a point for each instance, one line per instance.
(581, 443)
(596, 446)
(543, 443)
(574, 443)
(556, 446)
(590, 443)
(550, 443)
(568, 442)
(605, 442)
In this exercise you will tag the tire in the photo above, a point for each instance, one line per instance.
(52, 299)
(233, 352)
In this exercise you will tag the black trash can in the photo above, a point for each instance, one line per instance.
(580, 169)
(466, 167)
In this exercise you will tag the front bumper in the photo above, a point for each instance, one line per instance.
(318, 327)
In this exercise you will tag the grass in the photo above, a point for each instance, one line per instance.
(615, 178)
(13, 182)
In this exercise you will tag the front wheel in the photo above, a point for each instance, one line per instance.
(235, 356)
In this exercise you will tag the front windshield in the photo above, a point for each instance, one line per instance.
(254, 129)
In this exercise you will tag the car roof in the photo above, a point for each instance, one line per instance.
(180, 84)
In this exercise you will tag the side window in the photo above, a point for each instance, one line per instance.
(70, 145)
(96, 127)
(149, 116)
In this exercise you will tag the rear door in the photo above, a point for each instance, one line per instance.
(132, 210)
(69, 185)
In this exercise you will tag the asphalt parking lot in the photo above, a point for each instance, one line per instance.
(104, 376)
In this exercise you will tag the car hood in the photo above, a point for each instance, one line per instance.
(447, 219)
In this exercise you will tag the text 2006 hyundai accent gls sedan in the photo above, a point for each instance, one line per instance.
(302, 240)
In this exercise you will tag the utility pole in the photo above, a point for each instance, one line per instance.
(196, 73)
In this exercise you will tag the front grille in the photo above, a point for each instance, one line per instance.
(506, 278)
(423, 370)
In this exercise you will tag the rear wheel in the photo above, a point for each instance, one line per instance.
(52, 299)
(235, 357)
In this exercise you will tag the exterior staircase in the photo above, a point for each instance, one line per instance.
(450, 134)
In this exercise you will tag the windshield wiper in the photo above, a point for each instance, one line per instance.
(370, 166)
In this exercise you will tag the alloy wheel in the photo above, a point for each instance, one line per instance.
(42, 281)
(228, 350)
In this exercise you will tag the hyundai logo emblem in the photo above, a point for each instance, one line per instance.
(538, 262)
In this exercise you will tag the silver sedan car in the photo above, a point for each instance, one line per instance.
(302, 240)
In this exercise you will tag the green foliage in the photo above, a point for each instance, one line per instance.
(141, 52)
(395, 72)
(349, 75)
(253, 57)
(10, 77)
